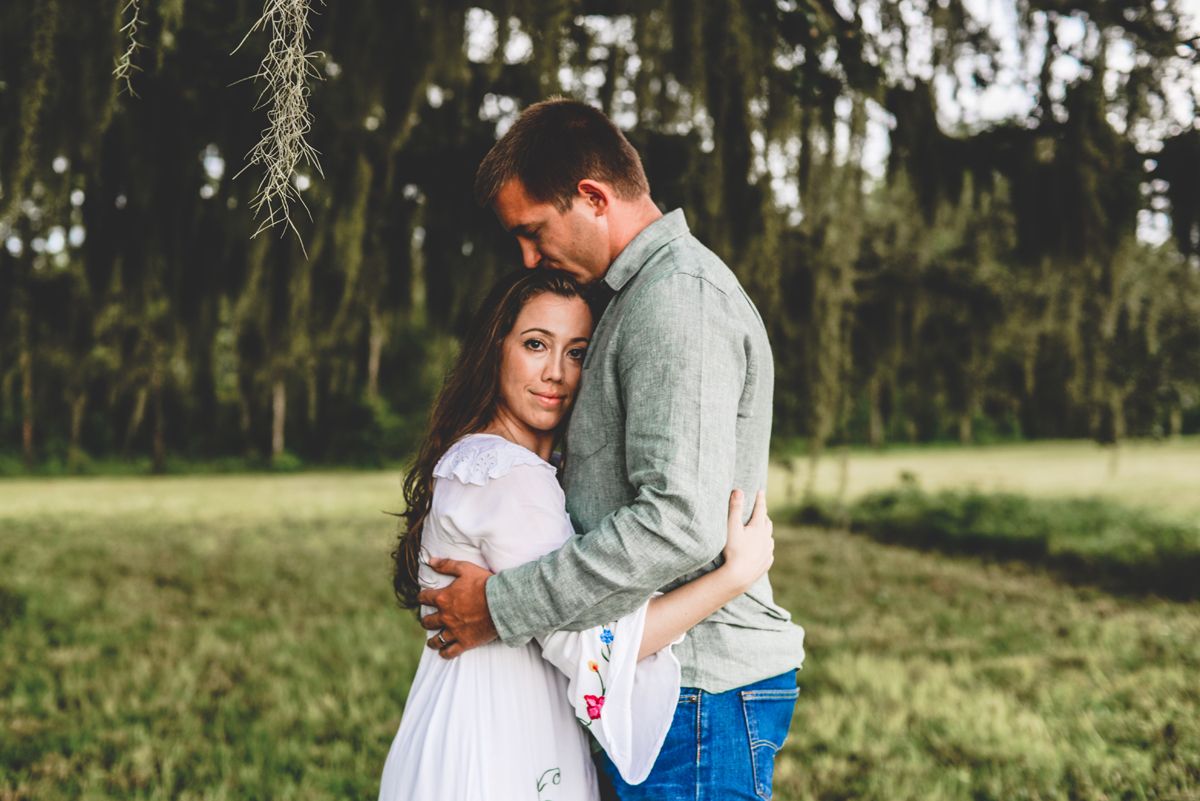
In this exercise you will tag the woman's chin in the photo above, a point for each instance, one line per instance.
(544, 421)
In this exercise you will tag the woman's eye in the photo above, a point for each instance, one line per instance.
(577, 353)
(535, 344)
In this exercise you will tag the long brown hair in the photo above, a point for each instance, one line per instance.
(466, 404)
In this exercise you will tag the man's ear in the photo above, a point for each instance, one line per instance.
(597, 195)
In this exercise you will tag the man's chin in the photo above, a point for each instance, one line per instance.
(583, 276)
(578, 273)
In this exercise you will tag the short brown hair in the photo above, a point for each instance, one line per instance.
(553, 146)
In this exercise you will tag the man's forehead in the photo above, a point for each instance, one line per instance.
(515, 208)
(512, 192)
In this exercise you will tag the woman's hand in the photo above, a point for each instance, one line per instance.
(748, 552)
(750, 549)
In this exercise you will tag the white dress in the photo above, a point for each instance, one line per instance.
(509, 723)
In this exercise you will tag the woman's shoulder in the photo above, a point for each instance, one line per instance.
(478, 458)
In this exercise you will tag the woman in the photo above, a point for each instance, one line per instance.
(508, 723)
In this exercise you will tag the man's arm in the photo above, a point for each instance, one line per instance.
(682, 366)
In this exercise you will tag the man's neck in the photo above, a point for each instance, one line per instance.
(634, 217)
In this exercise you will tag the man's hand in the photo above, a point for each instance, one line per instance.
(462, 616)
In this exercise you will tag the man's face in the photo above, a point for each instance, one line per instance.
(574, 241)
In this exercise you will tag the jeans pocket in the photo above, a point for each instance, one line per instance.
(768, 716)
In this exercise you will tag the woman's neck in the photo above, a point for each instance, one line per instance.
(513, 430)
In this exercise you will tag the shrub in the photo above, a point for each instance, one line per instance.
(1088, 540)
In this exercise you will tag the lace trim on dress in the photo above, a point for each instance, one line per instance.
(478, 457)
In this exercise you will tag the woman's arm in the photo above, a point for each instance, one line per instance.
(622, 680)
(749, 551)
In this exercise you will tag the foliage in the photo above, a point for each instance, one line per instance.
(125, 68)
(1091, 540)
(991, 278)
(287, 70)
(210, 637)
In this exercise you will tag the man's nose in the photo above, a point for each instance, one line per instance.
(530, 254)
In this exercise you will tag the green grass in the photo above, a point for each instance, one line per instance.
(1163, 475)
(222, 637)
(932, 678)
(1084, 540)
(199, 638)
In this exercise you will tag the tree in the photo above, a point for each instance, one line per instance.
(992, 275)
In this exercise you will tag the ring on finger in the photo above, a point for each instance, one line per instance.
(442, 639)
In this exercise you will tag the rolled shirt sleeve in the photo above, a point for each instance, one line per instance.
(681, 362)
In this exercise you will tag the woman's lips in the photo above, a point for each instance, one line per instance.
(549, 400)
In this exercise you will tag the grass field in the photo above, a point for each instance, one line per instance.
(1163, 475)
(234, 637)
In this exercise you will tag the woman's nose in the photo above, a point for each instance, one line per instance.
(553, 371)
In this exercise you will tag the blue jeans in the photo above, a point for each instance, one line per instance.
(721, 745)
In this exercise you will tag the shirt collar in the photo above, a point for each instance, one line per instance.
(629, 261)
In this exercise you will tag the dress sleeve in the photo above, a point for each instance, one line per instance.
(628, 705)
(512, 518)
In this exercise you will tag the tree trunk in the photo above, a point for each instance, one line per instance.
(135, 421)
(160, 448)
(1015, 413)
(75, 452)
(1116, 405)
(26, 391)
(964, 429)
(1176, 423)
(843, 475)
(789, 464)
(814, 459)
(876, 434)
(244, 416)
(373, 357)
(279, 404)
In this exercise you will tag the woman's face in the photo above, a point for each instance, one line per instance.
(542, 361)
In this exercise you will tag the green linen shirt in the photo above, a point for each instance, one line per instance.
(673, 413)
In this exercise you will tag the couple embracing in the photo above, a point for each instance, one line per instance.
(618, 601)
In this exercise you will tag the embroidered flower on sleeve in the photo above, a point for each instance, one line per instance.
(594, 704)
(606, 636)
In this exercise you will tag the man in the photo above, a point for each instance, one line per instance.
(674, 412)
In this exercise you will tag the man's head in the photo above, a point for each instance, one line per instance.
(570, 187)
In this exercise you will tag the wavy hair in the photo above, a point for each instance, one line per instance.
(466, 404)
